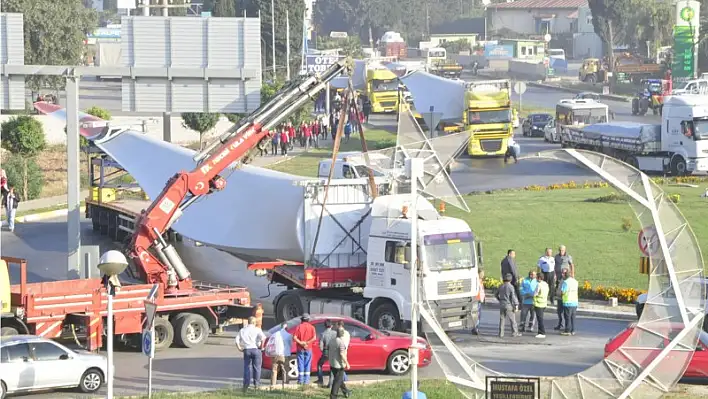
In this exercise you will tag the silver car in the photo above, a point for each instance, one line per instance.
(29, 363)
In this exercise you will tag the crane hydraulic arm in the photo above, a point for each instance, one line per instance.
(156, 260)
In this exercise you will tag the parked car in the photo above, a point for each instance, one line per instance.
(369, 349)
(697, 367)
(31, 363)
(535, 124)
(551, 133)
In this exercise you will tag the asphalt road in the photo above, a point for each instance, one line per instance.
(218, 364)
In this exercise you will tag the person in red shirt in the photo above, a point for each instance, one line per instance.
(304, 336)
(308, 135)
(291, 135)
(284, 141)
(302, 133)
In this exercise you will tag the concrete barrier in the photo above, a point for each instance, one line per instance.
(54, 128)
(532, 70)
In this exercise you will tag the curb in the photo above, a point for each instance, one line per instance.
(576, 91)
(44, 215)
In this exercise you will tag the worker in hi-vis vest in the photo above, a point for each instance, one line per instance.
(569, 289)
(540, 303)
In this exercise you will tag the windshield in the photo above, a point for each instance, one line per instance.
(682, 86)
(540, 118)
(583, 116)
(556, 52)
(436, 54)
(363, 171)
(482, 117)
(654, 87)
(700, 129)
(449, 251)
(384, 85)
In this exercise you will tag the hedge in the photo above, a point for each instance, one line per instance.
(587, 291)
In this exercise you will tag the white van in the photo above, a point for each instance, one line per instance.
(351, 165)
(694, 86)
(556, 53)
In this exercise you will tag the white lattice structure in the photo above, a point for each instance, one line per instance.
(654, 357)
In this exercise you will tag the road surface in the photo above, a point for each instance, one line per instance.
(218, 364)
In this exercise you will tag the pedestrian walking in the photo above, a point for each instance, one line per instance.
(569, 290)
(12, 201)
(547, 267)
(512, 151)
(339, 362)
(481, 297)
(278, 349)
(275, 142)
(327, 336)
(304, 335)
(528, 290)
(508, 306)
(540, 303)
(291, 135)
(508, 266)
(559, 303)
(284, 143)
(324, 121)
(347, 131)
(250, 340)
(366, 108)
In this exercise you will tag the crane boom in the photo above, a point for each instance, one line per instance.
(158, 261)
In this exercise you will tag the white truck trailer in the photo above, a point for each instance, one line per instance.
(679, 145)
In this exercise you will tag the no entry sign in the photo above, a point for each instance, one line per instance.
(648, 241)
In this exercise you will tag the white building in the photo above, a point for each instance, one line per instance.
(536, 17)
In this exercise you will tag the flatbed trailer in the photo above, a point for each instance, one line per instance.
(78, 308)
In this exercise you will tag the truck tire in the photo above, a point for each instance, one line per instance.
(164, 334)
(678, 166)
(8, 331)
(191, 330)
(399, 363)
(288, 307)
(385, 317)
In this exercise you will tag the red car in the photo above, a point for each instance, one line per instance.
(369, 349)
(697, 367)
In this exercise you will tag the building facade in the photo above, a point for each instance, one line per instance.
(536, 17)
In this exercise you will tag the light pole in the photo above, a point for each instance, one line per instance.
(414, 170)
(111, 264)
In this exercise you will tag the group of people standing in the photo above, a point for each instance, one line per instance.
(554, 280)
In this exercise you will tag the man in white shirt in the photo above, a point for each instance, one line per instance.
(279, 349)
(547, 266)
(250, 340)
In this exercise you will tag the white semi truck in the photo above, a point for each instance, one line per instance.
(679, 145)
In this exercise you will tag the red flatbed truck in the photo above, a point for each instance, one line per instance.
(68, 308)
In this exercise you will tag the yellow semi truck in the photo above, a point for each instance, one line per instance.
(488, 116)
(382, 89)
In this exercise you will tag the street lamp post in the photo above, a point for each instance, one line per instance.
(111, 264)
(414, 170)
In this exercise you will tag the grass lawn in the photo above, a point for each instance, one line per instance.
(604, 254)
(305, 164)
(434, 389)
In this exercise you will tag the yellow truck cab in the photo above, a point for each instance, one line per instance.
(382, 89)
(488, 117)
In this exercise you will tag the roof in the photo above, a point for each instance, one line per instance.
(465, 26)
(542, 4)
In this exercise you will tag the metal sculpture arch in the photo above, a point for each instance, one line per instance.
(654, 357)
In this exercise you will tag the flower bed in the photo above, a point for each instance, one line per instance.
(587, 291)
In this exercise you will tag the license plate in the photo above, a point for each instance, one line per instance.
(455, 324)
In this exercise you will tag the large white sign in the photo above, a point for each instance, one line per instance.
(319, 63)
(687, 13)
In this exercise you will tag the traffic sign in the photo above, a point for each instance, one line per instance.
(547, 37)
(520, 87)
(150, 310)
(648, 241)
(148, 343)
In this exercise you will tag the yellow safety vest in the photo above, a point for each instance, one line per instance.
(540, 300)
(571, 294)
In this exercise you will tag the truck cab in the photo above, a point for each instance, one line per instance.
(684, 133)
(489, 117)
(448, 259)
(382, 89)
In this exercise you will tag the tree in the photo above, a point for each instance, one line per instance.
(23, 136)
(457, 46)
(607, 21)
(54, 35)
(221, 8)
(17, 168)
(351, 46)
(200, 122)
(269, 90)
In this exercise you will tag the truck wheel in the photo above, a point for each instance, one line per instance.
(385, 317)
(398, 363)
(678, 166)
(191, 330)
(7, 331)
(289, 307)
(591, 79)
(164, 333)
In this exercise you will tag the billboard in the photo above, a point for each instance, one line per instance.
(319, 63)
(685, 35)
(499, 51)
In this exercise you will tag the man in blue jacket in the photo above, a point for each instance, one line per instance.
(528, 289)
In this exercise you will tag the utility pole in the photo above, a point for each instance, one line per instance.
(166, 116)
(165, 8)
(427, 21)
(287, 45)
(272, 33)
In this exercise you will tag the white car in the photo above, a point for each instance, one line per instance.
(551, 134)
(30, 363)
